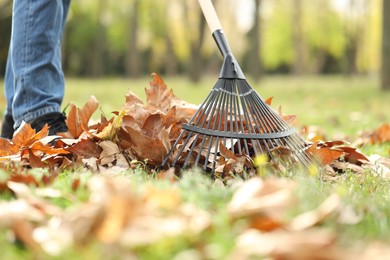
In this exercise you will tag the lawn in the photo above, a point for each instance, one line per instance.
(118, 214)
(339, 105)
(335, 103)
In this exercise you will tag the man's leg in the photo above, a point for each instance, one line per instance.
(36, 61)
(7, 127)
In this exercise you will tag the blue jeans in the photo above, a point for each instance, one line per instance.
(34, 81)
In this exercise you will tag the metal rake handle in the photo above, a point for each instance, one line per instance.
(210, 15)
(230, 68)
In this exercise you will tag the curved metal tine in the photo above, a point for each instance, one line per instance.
(249, 106)
(172, 149)
(245, 110)
(212, 102)
(239, 123)
(268, 117)
(229, 119)
(215, 109)
(271, 114)
(301, 150)
(234, 120)
(182, 148)
(263, 113)
(207, 104)
(217, 125)
(246, 115)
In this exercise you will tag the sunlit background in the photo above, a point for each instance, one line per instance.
(136, 37)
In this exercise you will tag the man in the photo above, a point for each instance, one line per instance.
(34, 81)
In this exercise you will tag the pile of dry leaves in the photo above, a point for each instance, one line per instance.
(146, 131)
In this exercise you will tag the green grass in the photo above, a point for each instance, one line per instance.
(339, 105)
(336, 104)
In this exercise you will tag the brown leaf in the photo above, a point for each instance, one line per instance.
(308, 244)
(74, 121)
(381, 135)
(78, 119)
(86, 148)
(268, 101)
(35, 161)
(138, 112)
(147, 147)
(158, 97)
(352, 155)
(26, 136)
(23, 231)
(289, 119)
(132, 98)
(152, 125)
(38, 146)
(24, 178)
(264, 202)
(88, 110)
(110, 149)
(75, 184)
(313, 133)
(324, 154)
(314, 217)
(225, 152)
(7, 148)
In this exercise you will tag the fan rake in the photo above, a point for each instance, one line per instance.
(233, 117)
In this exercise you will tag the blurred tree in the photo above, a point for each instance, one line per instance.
(196, 41)
(132, 64)
(5, 32)
(98, 57)
(299, 62)
(255, 67)
(277, 51)
(355, 18)
(385, 69)
(134, 37)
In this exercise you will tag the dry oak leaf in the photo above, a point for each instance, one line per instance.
(381, 135)
(268, 101)
(147, 147)
(308, 244)
(25, 135)
(7, 148)
(325, 154)
(263, 201)
(78, 118)
(311, 218)
(158, 97)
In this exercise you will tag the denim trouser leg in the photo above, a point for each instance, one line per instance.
(34, 83)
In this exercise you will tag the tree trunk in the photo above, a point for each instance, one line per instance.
(97, 61)
(171, 62)
(385, 69)
(298, 42)
(195, 65)
(132, 60)
(255, 68)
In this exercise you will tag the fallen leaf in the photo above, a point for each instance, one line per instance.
(264, 200)
(308, 244)
(324, 154)
(311, 218)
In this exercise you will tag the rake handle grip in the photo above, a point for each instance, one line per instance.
(210, 15)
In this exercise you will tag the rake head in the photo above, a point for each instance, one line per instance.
(234, 119)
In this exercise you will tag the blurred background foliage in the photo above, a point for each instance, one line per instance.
(136, 37)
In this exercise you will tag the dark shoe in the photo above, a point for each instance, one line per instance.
(55, 120)
(7, 129)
